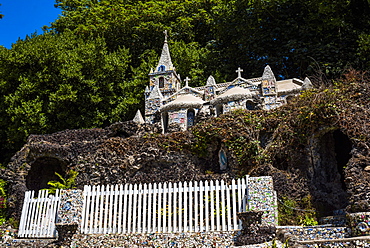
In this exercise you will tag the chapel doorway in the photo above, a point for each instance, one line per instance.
(165, 121)
(219, 110)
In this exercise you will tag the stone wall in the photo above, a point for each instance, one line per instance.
(359, 223)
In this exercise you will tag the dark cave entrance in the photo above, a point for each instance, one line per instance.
(343, 147)
(42, 171)
(334, 150)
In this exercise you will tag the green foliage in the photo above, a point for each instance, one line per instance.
(63, 183)
(274, 244)
(138, 24)
(307, 33)
(2, 201)
(54, 82)
(292, 212)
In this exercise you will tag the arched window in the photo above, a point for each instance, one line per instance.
(161, 82)
(161, 68)
(250, 105)
(190, 116)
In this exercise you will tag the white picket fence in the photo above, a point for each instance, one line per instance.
(38, 215)
(164, 207)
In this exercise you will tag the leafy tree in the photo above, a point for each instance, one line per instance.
(54, 82)
(2, 201)
(291, 36)
(138, 25)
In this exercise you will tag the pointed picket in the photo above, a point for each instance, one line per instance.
(154, 202)
(206, 203)
(125, 209)
(179, 213)
(175, 206)
(150, 212)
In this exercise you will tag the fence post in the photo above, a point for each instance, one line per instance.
(196, 212)
(125, 211)
(235, 221)
(145, 212)
(150, 196)
(206, 188)
(175, 196)
(24, 215)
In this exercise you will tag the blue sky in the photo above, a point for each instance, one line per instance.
(24, 17)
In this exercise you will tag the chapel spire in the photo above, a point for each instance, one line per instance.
(165, 63)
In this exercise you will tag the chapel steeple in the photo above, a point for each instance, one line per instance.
(165, 63)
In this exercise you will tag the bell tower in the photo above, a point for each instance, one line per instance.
(163, 78)
(164, 75)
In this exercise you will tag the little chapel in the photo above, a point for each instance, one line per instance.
(169, 100)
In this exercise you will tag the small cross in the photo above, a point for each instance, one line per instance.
(239, 71)
(165, 35)
(187, 82)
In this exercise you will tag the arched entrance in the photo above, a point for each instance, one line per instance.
(330, 158)
(219, 109)
(42, 171)
(165, 121)
(250, 105)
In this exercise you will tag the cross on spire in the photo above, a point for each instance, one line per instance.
(239, 71)
(165, 35)
(187, 82)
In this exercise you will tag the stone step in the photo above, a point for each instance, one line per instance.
(299, 233)
(337, 220)
(357, 242)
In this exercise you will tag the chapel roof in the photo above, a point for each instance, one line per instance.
(289, 86)
(232, 94)
(183, 101)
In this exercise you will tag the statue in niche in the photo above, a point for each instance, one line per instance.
(222, 158)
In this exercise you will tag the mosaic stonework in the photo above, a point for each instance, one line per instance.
(221, 239)
(70, 207)
(262, 197)
(359, 223)
(317, 232)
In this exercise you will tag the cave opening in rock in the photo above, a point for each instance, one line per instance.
(42, 171)
(343, 147)
(328, 179)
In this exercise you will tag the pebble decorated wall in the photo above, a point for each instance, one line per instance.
(70, 207)
(262, 196)
(359, 223)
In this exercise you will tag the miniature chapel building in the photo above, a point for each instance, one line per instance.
(167, 102)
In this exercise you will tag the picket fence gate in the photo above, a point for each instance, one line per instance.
(38, 215)
(164, 207)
